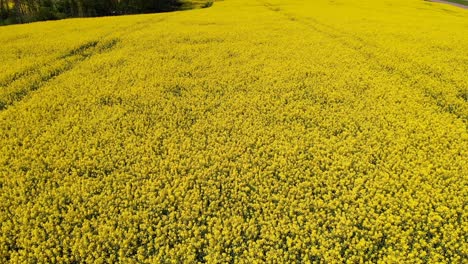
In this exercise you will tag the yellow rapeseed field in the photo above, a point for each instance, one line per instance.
(278, 131)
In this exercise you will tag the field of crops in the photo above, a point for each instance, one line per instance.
(253, 131)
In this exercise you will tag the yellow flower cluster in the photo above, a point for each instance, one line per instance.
(275, 131)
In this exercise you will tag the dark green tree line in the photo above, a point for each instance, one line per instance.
(21, 11)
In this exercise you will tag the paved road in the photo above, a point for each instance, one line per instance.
(451, 3)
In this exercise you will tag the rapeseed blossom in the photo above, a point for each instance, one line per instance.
(249, 132)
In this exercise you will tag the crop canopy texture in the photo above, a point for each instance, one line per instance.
(273, 131)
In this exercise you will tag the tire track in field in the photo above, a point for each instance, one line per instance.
(455, 104)
(14, 88)
(32, 79)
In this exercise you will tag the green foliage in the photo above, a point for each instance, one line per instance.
(207, 4)
(58, 9)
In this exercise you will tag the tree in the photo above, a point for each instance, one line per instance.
(18, 11)
(34, 10)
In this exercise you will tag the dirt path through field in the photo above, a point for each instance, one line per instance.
(450, 3)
